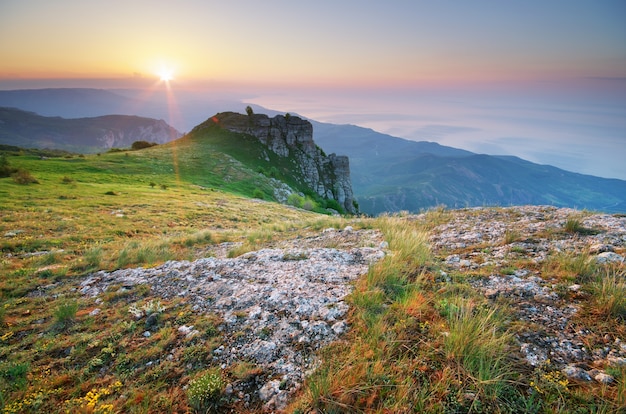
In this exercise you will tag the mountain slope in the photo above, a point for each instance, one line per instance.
(392, 174)
(281, 147)
(27, 129)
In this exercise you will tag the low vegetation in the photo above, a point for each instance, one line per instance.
(419, 341)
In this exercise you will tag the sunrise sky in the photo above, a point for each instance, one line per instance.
(520, 77)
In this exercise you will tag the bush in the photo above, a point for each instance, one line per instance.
(309, 205)
(5, 169)
(137, 145)
(295, 200)
(65, 314)
(205, 392)
(257, 193)
(24, 177)
(334, 205)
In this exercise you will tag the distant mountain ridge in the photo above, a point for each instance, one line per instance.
(393, 174)
(29, 130)
(387, 173)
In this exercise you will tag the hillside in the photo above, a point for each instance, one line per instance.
(123, 296)
(86, 135)
(283, 147)
(393, 174)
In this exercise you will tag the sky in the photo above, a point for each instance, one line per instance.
(543, 80)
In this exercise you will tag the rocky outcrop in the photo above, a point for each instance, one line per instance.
(516, 246)
(117, 131)
(292, 137)
(278, 306)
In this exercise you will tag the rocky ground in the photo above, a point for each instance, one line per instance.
(277, 305)
(503, 252)
(280, 304)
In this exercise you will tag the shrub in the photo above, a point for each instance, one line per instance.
(65, 314)
(24, 177)
(295, 200)
(5, 168)
(334, 205)
(137, 145)
(16, 375)
(309, 205)
(204, 393)
(273, 172)
(257, 193)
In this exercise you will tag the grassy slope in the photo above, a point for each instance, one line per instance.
(414, 346)
(96, 213)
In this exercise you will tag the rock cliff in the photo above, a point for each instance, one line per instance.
(292, 137)
(121, 131)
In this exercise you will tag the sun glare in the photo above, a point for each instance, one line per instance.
(166, 75)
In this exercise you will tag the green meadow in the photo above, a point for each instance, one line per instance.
(416, 344)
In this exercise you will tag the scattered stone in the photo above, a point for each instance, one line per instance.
(269, 390)
(95, 312)
(575, 373)
(600, 248)
(147, 334)
(476, 235)
(152, 320)
(609, 257)
(603, 378)
(278, 305)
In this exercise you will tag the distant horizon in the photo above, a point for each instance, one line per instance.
(539, 126)
(544, 81)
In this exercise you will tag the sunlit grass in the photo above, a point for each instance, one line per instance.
(609, 293)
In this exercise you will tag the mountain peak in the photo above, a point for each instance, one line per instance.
(292, 137)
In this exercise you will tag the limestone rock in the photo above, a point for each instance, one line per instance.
(291, 136)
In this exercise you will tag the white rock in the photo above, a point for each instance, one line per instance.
(574, 372)
(603, 378)
(609, 257)
(339, 327)
(270, 389)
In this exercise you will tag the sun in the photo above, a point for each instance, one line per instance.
(166, 75)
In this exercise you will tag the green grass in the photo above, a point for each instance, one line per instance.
(416, 344)
(609, 293)
(65, 227)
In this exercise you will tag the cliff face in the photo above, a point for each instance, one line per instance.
(118, 131)
(291, 136)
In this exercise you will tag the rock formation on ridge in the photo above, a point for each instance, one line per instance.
(292, 137)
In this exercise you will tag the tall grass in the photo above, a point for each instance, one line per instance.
(609, 293)
(65, 314)
(405, 355)
(571, 266)
(476, 341)
(147, 253)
